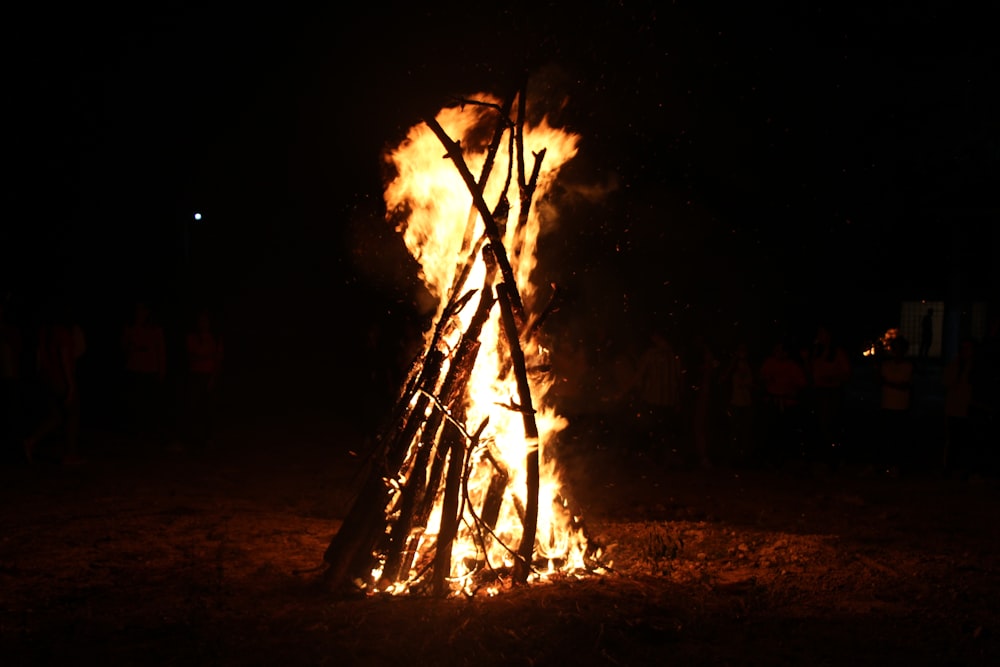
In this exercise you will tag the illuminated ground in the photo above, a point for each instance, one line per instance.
(186, 558)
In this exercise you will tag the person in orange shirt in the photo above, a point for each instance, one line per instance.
(783, 380)
(61, 343)
(896, 379)
(740, 381)
(657, 388)
(204, 352)
(11, 383)
(829, 371)
(957, 377)
(145, 354)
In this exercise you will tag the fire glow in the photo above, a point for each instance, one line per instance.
(477, 448)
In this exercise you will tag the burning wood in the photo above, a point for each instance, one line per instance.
(461, 492)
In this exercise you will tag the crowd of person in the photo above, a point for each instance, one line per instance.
(679, 396)
(164, 399)
(802, 400)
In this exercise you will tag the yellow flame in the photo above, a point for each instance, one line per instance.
(429, 192)
(883, 343)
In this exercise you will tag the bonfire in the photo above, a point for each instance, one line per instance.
(461, 492)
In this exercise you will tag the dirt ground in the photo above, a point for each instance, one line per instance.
(156, 557)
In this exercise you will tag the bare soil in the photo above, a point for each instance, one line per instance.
(155, 557)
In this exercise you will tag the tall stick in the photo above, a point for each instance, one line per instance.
(454, 394)
(492, 232)
(365, 522)
(523, 565)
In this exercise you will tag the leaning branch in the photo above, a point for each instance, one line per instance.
(492, 232)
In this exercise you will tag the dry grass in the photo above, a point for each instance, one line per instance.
(184, 559)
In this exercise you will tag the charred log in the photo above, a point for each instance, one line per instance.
(365, 522)
(523, 566)
(453, 391)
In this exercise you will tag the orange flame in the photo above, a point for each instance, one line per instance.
(430, 193)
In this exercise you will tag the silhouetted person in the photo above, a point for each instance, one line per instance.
(895, 374)
(658, 392)
(783, 380)
(610, 396)
(959, 445)
(704, 398)
(926, 334)
(204, 364)
(613, 365)
(829, 371)
(144, 347)
(11, 385)
(739, 379)
(985, 410)
(61, 343)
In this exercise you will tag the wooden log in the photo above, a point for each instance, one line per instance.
(453, 397)
(492, 232)
(449, 510)
(365, 522)
(502, 210)
(526, 186)
(416, 380)
(489, 513)
(493, 501)
(527, 193)
(399, 553)
(459, 443)
(522, 566)
(418, 492)
(503, 124)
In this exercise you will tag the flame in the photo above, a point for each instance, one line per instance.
(884, 343)
(437, 212)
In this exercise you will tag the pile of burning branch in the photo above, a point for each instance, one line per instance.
(460, 493)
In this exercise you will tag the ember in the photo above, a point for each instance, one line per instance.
(462, 493)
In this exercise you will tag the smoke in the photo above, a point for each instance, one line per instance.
(380, 257)
(592, 193)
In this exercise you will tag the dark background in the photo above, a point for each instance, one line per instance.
(761, 166)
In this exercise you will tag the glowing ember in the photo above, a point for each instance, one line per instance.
(478, 431)
(875, 348)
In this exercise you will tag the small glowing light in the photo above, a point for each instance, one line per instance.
(197, 216)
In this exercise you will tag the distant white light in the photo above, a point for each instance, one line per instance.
(197, 216)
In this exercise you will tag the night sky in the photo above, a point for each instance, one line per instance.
(759, 163)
